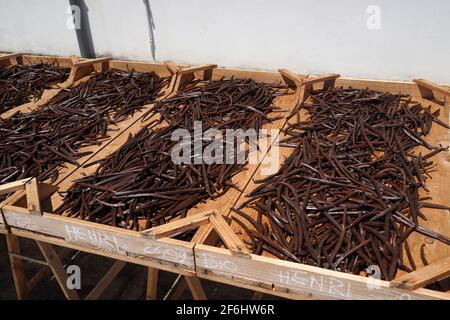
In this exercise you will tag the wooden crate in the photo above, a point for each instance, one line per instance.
(230, 264)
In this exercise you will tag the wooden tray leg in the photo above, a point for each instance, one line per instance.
(152, 283)
(13, 245)
(177, 290)
(106, 280)
(57, 268)
(196, 288)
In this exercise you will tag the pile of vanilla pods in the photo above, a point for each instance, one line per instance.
(348, 196)
(39, 142)
(20, 84)
(140, 186)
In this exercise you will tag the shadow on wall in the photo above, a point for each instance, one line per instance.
(84, 35)
(151, 27)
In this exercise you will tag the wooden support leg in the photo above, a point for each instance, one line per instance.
(329, 84)
(58, 270)
(12, 242)
(106, 280)
(46, 271)
(152, 283)
(426, 93)
(180, 287)
(196, 288)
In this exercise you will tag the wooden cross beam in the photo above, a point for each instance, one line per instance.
(428, 88)
(84, 68)
(11, 59)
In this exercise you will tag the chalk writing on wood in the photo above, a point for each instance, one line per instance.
(206, 261)
(166, 253)
(95, 238)
(22, 223)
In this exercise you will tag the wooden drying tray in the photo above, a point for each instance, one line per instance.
(235, 267)
(67, 168)
(79, 72)
(295, 280)
(73, 173)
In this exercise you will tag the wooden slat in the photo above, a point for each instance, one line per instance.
(10, 56)
(12, 242)
(13, 186)
(106, 280)
(322, 78)
(92, 250)
(103, 238)
(203, 67)
(152, 284)
(432, 86)
(10, 59)
(177, 227)
(33, 198)
(92, 62)
(45, 271)
(297, 280)
(424, 276)
(290, 78)
(229, 238)
(196, 288)
(172, 66)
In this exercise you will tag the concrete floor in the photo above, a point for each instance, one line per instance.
(129, 284)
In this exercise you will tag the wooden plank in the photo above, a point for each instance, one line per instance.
(91, 62)
(203, 67)
(424, 276)
(297, 279)
(291, 79)
(11, 56)
(162, 265)
(106, 280)
(13, 186)
(432, 86)
(12, 243)
(152, 284)
(196, 288)
(321, 78)
(172, 66)
(259, 75)
(177, 227)
(229, 238)
(177, 289)
(11, 59)
(33, 198)
(104, 238)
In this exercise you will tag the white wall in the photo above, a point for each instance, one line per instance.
(305, 36)
(36, 26)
